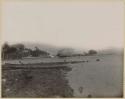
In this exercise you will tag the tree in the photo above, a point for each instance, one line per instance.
(65, 52)
(5, 48)
(12, 51)
(92, 52)
(37, 52)
(19, 47)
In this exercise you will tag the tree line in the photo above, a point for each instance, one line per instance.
(18, 51)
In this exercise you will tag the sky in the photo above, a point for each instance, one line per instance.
(78, 24)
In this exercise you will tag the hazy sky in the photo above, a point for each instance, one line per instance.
(77, 24)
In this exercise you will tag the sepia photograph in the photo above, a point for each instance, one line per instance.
(62, 49)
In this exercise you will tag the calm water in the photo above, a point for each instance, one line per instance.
(102, 78)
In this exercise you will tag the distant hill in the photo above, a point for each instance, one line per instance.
(53, 49)
(111, 51)
(48, 48)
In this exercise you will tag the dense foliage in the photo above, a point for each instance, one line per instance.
(18, 51)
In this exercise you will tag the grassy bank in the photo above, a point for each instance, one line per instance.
(36, 83)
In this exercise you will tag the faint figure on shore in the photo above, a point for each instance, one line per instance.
(80, 89)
